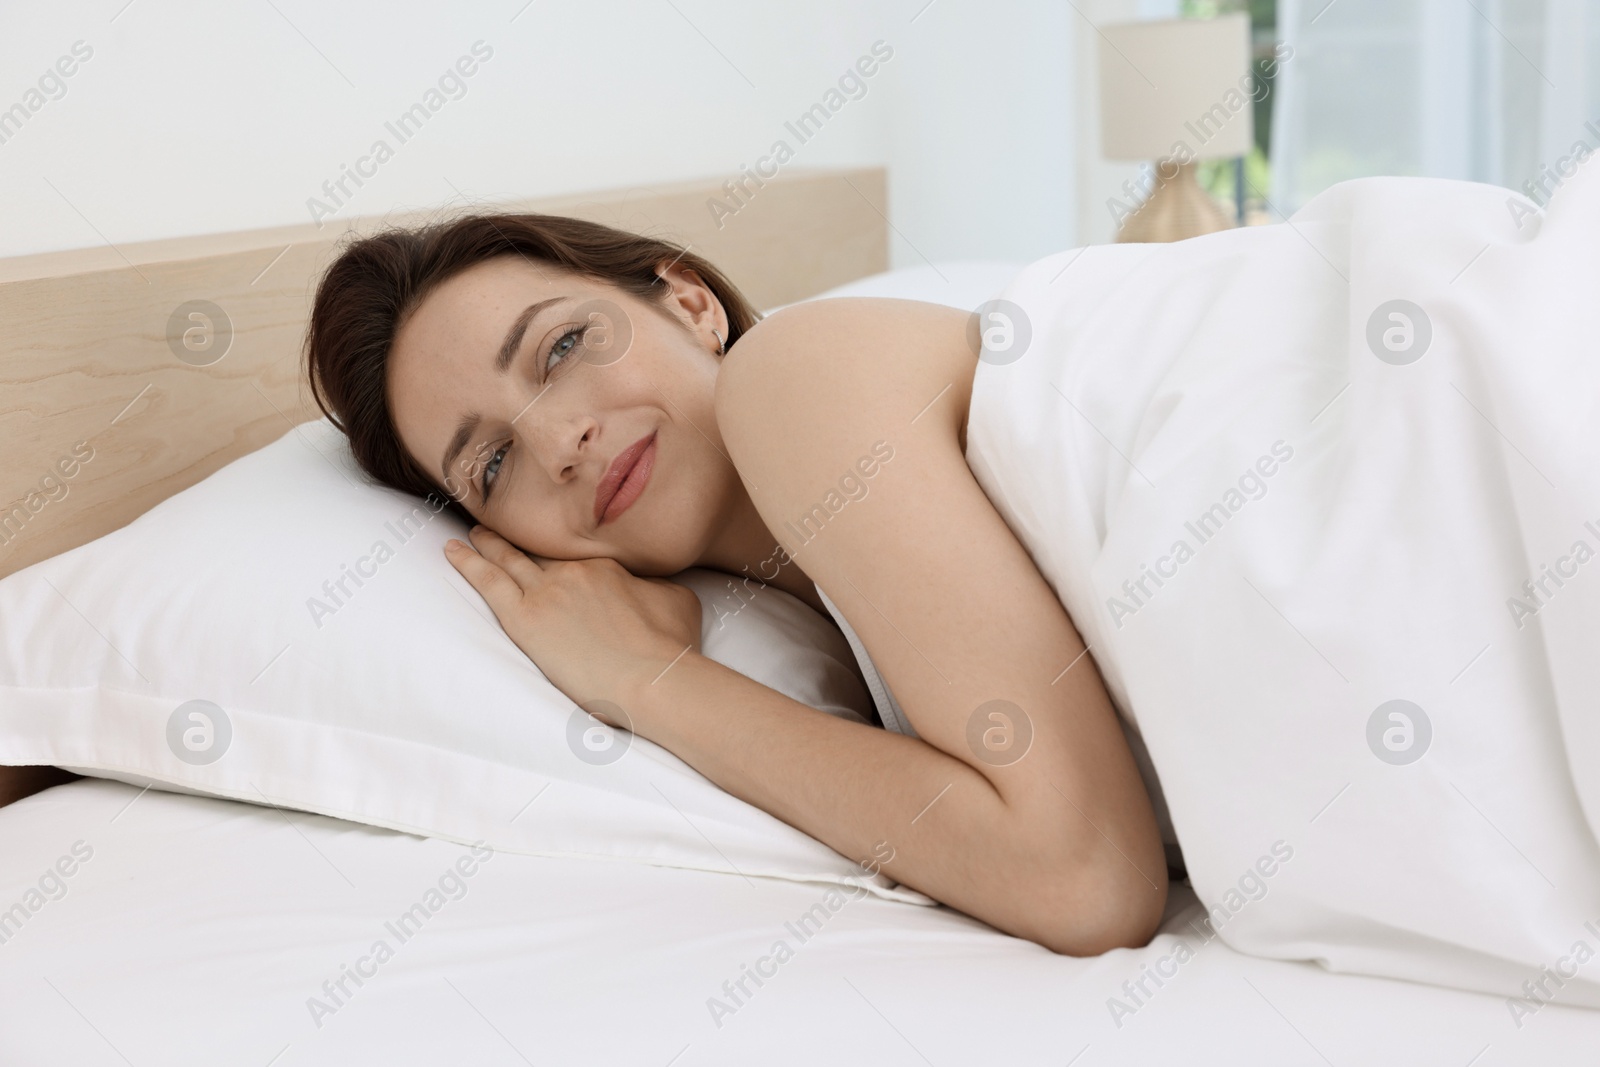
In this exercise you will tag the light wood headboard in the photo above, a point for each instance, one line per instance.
(90, 339)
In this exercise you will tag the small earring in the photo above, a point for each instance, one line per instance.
(721, 346)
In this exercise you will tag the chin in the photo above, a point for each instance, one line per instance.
(664, 549)
(656, 563)
(651, 568)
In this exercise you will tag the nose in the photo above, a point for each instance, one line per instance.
(561, 441)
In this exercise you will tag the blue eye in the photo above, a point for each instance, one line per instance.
(490, 469)
(563, 347)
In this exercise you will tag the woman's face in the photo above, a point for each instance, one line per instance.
(571, 417)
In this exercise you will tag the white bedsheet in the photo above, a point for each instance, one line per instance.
(198, 930)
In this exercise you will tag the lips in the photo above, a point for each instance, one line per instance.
(625, 479)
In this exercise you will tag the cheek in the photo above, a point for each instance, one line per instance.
(532, 527)
(697, 496)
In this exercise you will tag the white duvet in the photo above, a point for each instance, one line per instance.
(1324, 499)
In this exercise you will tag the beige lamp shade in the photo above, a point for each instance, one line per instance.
(1176, 87)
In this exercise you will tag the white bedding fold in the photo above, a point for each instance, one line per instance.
(1273, 508)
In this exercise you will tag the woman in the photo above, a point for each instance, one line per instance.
(610, 410)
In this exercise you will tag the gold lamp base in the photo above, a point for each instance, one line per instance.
(1176, 209)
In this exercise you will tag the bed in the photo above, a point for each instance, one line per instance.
(157, 927)
(201, 930)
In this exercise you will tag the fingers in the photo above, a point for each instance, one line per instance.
(491, 581)
(505, 555)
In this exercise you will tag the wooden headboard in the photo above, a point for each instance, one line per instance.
(93, 353)
(162, 362)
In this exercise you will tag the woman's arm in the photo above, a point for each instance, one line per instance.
(1060, 846)
(894, 803)
(903, 806)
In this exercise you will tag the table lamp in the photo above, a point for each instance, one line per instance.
(1175, 91)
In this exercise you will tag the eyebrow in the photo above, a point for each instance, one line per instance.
(513, 341)
(464, 431)
(502, 363)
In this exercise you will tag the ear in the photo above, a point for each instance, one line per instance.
(692, 301)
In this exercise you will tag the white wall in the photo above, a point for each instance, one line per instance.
(981, 133)
(192, 118)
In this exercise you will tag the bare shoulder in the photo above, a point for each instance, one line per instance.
(831, 377)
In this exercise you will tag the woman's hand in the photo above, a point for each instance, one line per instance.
(596, 631)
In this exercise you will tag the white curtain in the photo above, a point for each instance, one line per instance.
(1484, 90)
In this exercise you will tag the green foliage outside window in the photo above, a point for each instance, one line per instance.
(1217, 175)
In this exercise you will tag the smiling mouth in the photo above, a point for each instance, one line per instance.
(625, 479)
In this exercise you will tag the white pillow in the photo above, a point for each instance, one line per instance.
(347, 669)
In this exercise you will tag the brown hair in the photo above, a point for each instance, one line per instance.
(378, 281)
